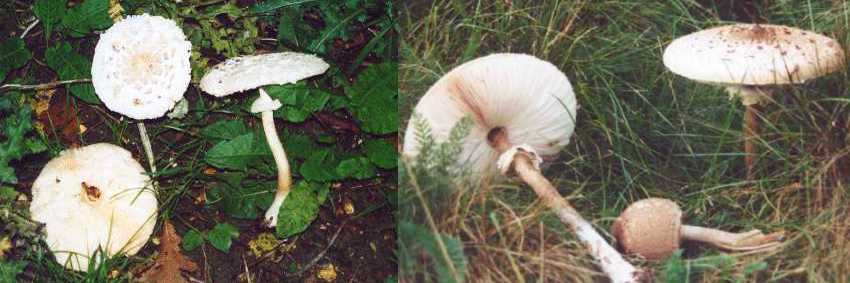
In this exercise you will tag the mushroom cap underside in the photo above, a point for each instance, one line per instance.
(527, 99)
(249, 72)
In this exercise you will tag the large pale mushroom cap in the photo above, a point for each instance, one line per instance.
(650, 228)
(525, 99)
(90, 197)
(750, 54)
(141, 66)
(253, 71)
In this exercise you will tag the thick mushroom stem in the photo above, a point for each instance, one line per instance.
(266, 106)
(751, 96)
(753, 240)
(611, 261)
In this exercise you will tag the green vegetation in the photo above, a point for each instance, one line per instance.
(216, 173)
(641, 132)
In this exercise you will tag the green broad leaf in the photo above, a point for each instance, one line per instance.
(8, 194)
(320, 166)
(70, 65)
(221, 236)
(298, 210)
(13, 55)
(224, 130)
(16, 125)
(50, 13)
(375, 88)
(286, 25)
(299, 146)
(382, 153)
(90, 15)
(450, 263)
(235, 154)
(299, 101)
(9, 270)
(359, 168)
(192, 240)
(242, 200)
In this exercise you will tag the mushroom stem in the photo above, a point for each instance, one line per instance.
(146, 144)
(753, 240)
(611, 261)
(751, 96)
(284, 178)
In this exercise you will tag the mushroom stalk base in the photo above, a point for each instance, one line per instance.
(284, 179)
(611, 261)
(753, 240)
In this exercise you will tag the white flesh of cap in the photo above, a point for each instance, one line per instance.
(253, 71)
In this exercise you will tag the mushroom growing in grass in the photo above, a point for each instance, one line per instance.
(90, 198)
(751, 60)
(141, 69)
(522, 108)
(254, 71)
(652, 228)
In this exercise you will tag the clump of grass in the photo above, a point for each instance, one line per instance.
(641, 132)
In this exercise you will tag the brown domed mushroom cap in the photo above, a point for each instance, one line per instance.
(649, 228)
(751, 54)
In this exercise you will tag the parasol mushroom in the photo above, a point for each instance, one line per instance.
(249, 72)
(91, 198)
(652, 228)
(522, 109)
(141, 69)
(750, 60)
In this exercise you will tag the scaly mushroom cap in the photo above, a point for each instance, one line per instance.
(650, 228)
(750, 54)
(253, 71)
(141, 66)
(515, 97)
(90, 197)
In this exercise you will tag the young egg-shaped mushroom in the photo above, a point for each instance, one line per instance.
(93, 197)
(521, 108)
(254, 71)
(141, 70)
(652, 228)
(750, 60)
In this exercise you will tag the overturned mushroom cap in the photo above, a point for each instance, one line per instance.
(516, 97)
(141, 66)
(650, 228)
(750, 54)
(253, 71)
(90, 197)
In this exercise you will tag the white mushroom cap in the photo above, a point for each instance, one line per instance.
(750, 54)
(90, 197)
(253, 71)
(141, 66)
(528, 99)
(650, 228)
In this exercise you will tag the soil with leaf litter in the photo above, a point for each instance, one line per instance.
(353, 234)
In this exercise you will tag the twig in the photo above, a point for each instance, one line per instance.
(42, 86)
(27, 30)
(321, 254)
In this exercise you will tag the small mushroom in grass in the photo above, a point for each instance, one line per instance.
(90, 198)
(652, 228)
(750, 60)
(141, 69)
(249, 72)
(521, 108)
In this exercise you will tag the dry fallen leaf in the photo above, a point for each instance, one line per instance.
(59, 118)
(170, 262)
